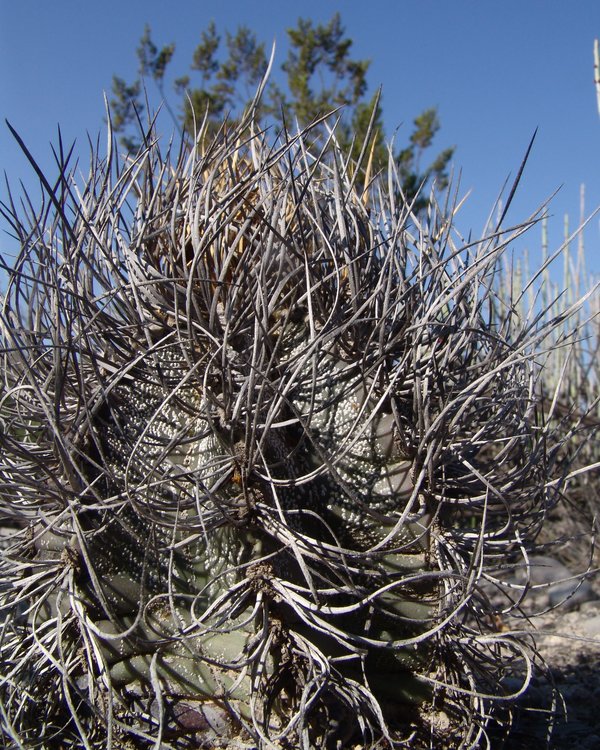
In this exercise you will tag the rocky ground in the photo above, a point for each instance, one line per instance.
(567, 640)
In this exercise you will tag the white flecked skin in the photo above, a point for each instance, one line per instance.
(262, 436)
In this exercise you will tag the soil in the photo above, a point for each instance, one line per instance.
(568, 675)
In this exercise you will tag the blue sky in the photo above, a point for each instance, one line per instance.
(495, 70)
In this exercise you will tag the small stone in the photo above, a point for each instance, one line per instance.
(591, 627)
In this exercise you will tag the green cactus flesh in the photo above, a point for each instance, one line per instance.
(256, 459)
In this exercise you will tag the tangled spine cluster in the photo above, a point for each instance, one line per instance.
(264, 435)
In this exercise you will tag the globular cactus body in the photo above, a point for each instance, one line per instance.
(260, 444)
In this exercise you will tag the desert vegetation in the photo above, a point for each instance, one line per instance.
(271, 439)
(276, 438)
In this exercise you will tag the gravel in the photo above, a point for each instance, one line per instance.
(568, 647)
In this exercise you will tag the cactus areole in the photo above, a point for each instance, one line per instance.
(260, 444)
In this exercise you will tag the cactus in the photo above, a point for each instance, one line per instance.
(263, 440)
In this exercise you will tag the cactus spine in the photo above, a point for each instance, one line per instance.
(263, 439)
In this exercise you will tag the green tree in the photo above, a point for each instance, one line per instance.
(318, 75)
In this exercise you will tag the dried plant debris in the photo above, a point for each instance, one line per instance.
(266, 439)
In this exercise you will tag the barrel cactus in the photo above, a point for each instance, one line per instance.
(264, 439)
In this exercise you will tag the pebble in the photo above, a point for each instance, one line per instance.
(590, 627)
(553, 584)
